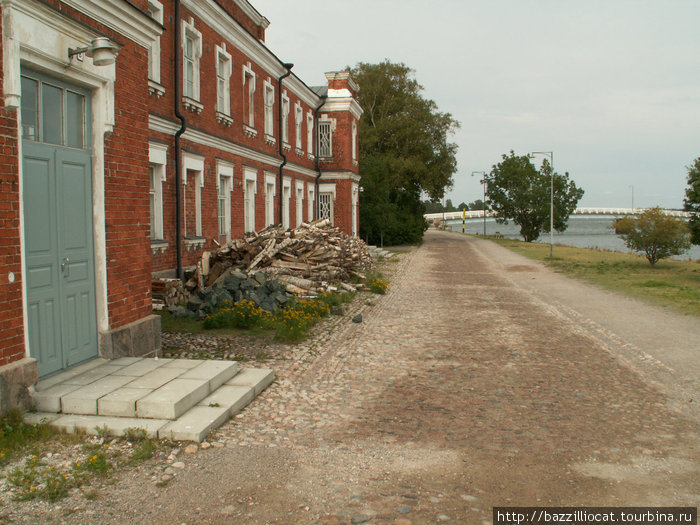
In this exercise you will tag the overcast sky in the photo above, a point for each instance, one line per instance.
(612, 87)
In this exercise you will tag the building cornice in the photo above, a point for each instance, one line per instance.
(253, 13)
(329, 176)
(121, 17)
(220, 21)
(343, 104)
(162, 125)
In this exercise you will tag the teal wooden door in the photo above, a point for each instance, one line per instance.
(58, 231)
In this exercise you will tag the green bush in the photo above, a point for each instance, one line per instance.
(243, 315)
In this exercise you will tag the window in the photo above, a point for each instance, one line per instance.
(157, 154)
(285, 119)
(310, 133)
(249, 95)
(193, 183)
(299, 204)
(286, 196)
(354, 142)
(223, 86)
(325, 140)
(299, 118)
(355, 206)
(191, 53)
(155, 9)
(325, 205)
(310, 203)
(269, 109)
(269, 199)
(225, 185)
(52, 114)
(251, 184)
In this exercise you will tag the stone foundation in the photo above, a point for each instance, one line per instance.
(15, 380)
(137, 339)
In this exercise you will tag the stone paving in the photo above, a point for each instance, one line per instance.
(459, 392)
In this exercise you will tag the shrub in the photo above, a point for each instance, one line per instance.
(244, 315)
(292, 322)
(378, 285)
(655, 234)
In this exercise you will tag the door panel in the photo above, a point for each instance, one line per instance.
(58, 230)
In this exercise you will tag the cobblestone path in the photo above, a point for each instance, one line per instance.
(460, 391)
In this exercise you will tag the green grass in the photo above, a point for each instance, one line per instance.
(671, 283)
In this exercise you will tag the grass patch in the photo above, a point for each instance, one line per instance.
(671, 283)
(16, 435)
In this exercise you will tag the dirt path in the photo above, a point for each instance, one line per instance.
(471, 384)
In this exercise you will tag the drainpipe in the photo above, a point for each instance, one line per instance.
(288, 66)
(178, 145)
(318, 158)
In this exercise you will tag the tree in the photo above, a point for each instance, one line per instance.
(404, 152)
(518, 192)
(478, 204)
(656, 234)
(692, 200)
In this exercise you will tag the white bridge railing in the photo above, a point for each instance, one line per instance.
(473, 214)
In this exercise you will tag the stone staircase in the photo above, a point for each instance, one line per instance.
(377, 252)
(177, 399)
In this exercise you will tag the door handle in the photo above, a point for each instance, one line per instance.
(65, 266)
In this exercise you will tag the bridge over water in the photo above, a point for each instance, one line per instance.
(616, 212)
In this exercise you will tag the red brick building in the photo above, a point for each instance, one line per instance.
(136, 134)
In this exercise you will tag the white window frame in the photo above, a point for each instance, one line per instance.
(270, 192)
(195, 164)
(155, 9)
(354, 141)
(323, 190)
(158, 155)
(224, 187)
(249, 85)
(310, 133)
(286, 197)
(325, 147)
(285, 119)
(269, 109)
(311, 201)
(223, 79)
(188, 30)
(250, 188)
(355, 207)
(299, 119)
(299, 203)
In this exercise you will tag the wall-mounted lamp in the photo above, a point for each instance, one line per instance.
(102, 51)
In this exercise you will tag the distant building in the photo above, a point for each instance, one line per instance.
(97, 149)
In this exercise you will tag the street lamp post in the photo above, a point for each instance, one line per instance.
(483, 182)
(551, 199)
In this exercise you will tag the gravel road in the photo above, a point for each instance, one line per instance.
(481, 379)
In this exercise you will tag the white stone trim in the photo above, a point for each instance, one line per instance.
(188, 28)
(154, 51)
(123, 18)
(221, 50)
(161, 125)
(327, 188)
(269, 118)
(340, 175)
(249, 175)
(220, 21)
(311, 200)
(343, 104)
(191, 161)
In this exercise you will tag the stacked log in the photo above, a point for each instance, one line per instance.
(311, 258)
(167, 293)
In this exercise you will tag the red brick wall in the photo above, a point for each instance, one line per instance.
(11, 313)
(127, 205)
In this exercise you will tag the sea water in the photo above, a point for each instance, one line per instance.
(584, 231)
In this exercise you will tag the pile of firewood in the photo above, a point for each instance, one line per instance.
(311, 258)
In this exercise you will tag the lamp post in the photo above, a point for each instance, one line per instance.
(483, 182)
(551, 199)
(632, 187)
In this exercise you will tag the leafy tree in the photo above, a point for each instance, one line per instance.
(692, 200)
(404, 152)
(463, 206)
(656, 234)
(518, 192)
(478, 204)
(432, 206)
(449, 206)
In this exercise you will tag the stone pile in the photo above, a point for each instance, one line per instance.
(167, 293)
(234, 286)
(312, 258)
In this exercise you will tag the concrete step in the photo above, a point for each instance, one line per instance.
(173, 399)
